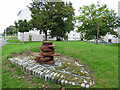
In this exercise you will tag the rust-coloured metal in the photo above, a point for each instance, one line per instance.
(47, 53)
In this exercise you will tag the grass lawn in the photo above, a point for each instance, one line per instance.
(0, 69)
(102, 60)
(12, 37)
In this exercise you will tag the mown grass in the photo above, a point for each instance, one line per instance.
(12, 38)
(0, 68)
(10, 73)
(101, 59)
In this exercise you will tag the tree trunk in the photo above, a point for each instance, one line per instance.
(97, 35)
(46, 35)
(96, 39)
(116, 39)
(81, 39)
(67, 37)
(23, 39)
(58, 39)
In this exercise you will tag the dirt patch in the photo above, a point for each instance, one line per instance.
(24, 53)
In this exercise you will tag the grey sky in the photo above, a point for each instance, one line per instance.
(10, 8)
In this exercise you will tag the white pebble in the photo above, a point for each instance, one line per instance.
(77, 63)
(62, 76)
(76, 78)
(90, 83)
(82, 85)
(58, 75)
(66, 82)
(73, 83)
(69, 63)
(81, 71)
(69, 82)
(87, 86)
(86, 72)
(80, 65)
(85, 81)
(62, 81)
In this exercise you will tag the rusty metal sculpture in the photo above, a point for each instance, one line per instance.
(47, 54)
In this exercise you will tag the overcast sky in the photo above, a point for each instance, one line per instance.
(10, 8)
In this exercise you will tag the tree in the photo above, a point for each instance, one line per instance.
(53, 16)
(64, 18)
(96, 21)
(11, 30)
(23, 26)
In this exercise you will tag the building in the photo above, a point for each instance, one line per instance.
(74, 35)
(36, 36)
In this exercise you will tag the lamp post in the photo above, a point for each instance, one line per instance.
(5, 35)
(119, 18)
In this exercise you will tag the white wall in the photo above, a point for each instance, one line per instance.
(73, 35)
(35, 36)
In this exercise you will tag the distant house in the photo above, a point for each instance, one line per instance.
(35, 35)
(74, 35)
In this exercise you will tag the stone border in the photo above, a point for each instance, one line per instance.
(38, 70)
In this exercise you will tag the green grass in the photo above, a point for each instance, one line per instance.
(102, 60)
(12, 38)
(14, 41)
(0, 68)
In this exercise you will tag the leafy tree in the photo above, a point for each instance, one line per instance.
(96, 21)
(64, 18)
(56, 17)
(11, 30)
(23, 26)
